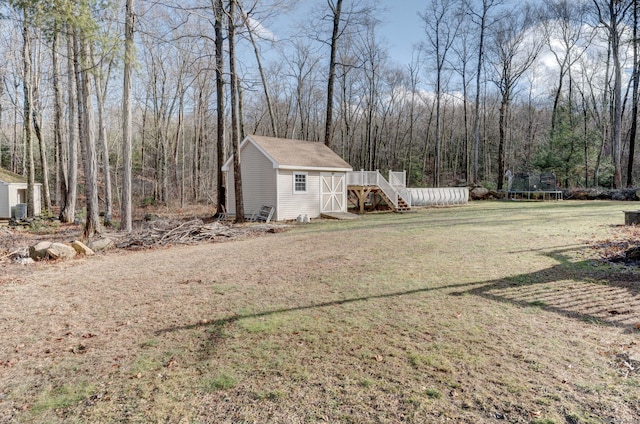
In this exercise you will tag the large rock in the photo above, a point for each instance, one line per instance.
(479, 193)
(619, 195)
(38, 251)
(48, 250)
(61, 251)
(101, 244)
(82, 248)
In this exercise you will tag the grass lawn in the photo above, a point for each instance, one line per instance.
(492, 312)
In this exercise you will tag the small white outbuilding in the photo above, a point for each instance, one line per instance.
(13, 194)
(296, 177)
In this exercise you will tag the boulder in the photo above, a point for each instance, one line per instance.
(101, 244)
(82, 248)
(479, 193)
(38, 251)
(61, 251)
(618, 195)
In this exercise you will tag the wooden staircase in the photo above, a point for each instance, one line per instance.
(402, 205)
(363, 183)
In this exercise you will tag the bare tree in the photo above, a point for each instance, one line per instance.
(636, 89)
(247, 20)
(125, 203)
(235, 130)
(68, 210)
(36, 114)
(564, 26)
(62, 148)
(442, 20)
(28, 111)
(482, 18)
(302, 64)
(101, 92)
(220, 144)
(611, 15)
(463, 52)
(514, 54)
(336, 10)
(86, 131)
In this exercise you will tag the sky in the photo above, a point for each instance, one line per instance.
(400, 26)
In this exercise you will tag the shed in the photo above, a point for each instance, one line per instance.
(297, 177)
(13, 191)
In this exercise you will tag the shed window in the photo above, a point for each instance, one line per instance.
(300, 182)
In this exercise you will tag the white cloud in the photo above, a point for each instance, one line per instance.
(260, 30)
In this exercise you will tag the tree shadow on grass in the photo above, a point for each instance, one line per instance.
(236, 317)
(574, 289)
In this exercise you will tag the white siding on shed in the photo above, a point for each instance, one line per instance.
(16, 197)
(268, 169)
(38, 199)
(5, 208)
(14, 193)
(258, 182)
(291, 204)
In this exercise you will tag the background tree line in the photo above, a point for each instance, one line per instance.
(109, 102)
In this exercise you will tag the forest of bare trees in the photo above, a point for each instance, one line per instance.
(114, 103)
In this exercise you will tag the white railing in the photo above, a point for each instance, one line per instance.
(405, 193)
(374, 178)
(398, 179)
(363, 178)
(388, 190)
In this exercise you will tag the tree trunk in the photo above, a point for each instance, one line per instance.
(476, 113)
(102, 139)
(634, 108)
(617, 114)
(68, 212)
(125, 203)
(62, 148)
(220, 145)
(44, 164)
(504, 108)
(235, 136)
(604, 122)
(336, 10)
(86, 129)
(27, 119)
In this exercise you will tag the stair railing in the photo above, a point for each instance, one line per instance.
(374, 178)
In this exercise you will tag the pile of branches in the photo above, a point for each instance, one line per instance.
(171, 232)
(623, 245)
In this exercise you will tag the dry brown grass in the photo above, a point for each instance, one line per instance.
(490, 312)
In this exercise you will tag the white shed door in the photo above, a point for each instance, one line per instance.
(333, 193)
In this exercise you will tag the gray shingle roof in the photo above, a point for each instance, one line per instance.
(298, 153)
(10, 177)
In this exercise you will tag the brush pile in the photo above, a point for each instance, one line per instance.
(161, 233)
